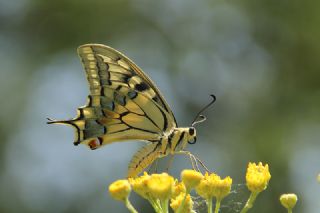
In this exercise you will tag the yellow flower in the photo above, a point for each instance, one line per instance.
(257, 177)
(213, 186)
(288, 200)
(160, 186)
(318, 177)
(178, 188)
(139, 185)
(187, 205)
(191, 178)
(120, 189)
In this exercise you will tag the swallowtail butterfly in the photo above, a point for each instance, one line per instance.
(124, 104)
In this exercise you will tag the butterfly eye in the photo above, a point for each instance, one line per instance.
(193, 141)
(191, 131)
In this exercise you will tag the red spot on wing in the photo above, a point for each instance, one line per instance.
(94, 143)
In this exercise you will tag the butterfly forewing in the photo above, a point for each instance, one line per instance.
(107, 65)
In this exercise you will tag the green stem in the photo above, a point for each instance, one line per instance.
(209, 205)
(155, 204)
(129, 206)
(216, 210)
(164, 205)
(158, 203)
(157, 207)
(182, 203)
(289, 210)
(250, 202)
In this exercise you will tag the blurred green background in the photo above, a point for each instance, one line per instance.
(260, 58)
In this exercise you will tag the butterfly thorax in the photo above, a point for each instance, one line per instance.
(177, 140)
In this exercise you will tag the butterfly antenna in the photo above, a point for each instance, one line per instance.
(200, 118)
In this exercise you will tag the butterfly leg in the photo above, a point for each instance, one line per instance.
(202, 164)
(153, 167)
(194, 160)
(169, 163)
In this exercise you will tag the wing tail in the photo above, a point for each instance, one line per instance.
(53, 121)
(86, 126)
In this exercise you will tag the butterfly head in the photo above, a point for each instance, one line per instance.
(192, 135)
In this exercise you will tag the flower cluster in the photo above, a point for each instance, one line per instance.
(162, 190)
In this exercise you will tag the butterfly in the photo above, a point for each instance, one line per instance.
(124, 104)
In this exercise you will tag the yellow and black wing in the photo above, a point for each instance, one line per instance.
(124, 104)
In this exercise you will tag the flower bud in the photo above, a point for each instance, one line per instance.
(288, 200)
(257, 177)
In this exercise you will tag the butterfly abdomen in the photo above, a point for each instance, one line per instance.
(143, 158)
